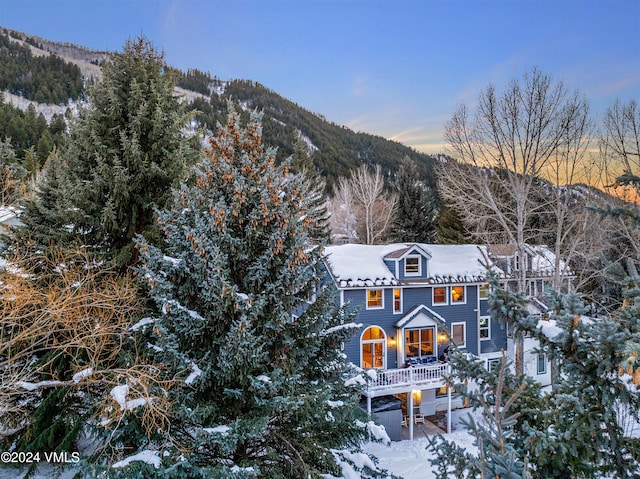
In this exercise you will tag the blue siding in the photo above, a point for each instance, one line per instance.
(391, 264)
(416, 296)
(498, 341)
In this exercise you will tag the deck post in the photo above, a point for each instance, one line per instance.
(449, 409)
(410, 393)
(369, 405)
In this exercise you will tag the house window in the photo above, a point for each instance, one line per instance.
(373, 348)
(397, 301)
(493, 364)
(375, 299)
(412, 266)
(542, 364)
(484, 327)
(484, 291)
(419, 342)
(457, 295)
(458, 334)
(440, 295)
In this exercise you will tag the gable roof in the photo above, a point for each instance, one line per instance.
(354, 265)
(398, 254)
(420, 315)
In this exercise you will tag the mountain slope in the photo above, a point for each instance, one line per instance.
(335, 150)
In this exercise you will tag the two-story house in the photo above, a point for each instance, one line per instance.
(413, 300)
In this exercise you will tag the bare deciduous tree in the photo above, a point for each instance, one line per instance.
(620, 141)
(502, 151)
(361, 204)
(77, 312)
(377, 207)
(343, 211)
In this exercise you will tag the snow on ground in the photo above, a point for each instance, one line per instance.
(411, 459)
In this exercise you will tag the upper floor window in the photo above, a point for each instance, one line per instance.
(397, 301)
(373, 349)
(419, 342)
(439, 295)
(484, 291)
(375, 299)
(484, 327)
(457, 294)
(412, 266)
(542, 364)
(459, 334)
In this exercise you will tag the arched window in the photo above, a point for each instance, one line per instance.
(373, 349)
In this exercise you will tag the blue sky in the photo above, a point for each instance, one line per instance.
(395, 68)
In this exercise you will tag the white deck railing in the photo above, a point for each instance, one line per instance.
(391, 381)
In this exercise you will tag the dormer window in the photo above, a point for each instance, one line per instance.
(412, 265)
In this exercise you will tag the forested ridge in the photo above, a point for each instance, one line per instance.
(335, 150)
(43, 79)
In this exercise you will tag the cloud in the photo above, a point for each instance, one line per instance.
(617, 85)
(426, 141)
(360, 86)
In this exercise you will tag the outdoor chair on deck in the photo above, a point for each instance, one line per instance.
(422, 361)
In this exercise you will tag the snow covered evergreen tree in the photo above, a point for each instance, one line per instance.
(45, 209)
(417, 206)
(577, 430)
(124, 153)
(265, 390)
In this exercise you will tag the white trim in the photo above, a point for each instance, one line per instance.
(422, 310)
(366, 298)
(408, 285)
(544, 358)
(464, 327)
(493, 360)
(412, 256)
(488, 327)
(480, 297)
(433, 295)
(382, 341)
(434, 339)
(393, 292)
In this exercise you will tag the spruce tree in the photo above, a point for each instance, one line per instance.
(415, 219)
(576, 430)
(450, 229)
(264, 388)
(45, 209)
(125, 152)
(12, 174)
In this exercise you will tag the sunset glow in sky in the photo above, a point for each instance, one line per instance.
(394, 68)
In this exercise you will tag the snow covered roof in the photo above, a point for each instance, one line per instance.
(463, 263)
(355, 265)
(543, 260)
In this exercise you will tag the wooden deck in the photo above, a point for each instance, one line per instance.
(395, 381)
